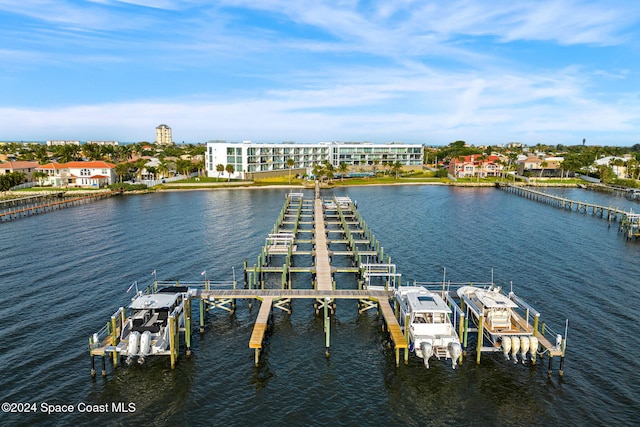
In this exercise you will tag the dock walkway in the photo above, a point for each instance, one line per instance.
(323, 265)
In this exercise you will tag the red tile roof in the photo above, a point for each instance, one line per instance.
(19, 165)
(98, 164)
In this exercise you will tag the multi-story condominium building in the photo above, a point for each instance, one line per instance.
(163, 135)
(249, 159)
(61, 142)
(114, 143)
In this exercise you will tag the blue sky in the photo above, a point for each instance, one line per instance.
(432, 72)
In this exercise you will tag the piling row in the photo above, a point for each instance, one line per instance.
(30, 206)
(605, 212)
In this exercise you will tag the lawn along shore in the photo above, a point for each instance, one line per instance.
(256, 185)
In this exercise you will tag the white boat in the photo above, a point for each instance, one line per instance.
(428, 317)
(501, 323)
(146, 331)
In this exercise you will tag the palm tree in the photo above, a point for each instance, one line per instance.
(290, 163)
(230, 170)
(318, 171)
(163, 168)
(40, 154)
(40, 176)
(376, 162)
(219, 169)
(139, 166)
(396, 168)
(92, 151)
(344, 168)
(68, 153)
(123, 152)
(184, 166)
(152, 170)
(543, 165)
(122, 169)
(108, 151)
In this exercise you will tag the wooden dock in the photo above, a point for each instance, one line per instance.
(395, 332)
(29, 206)
(260, 327)
(376, 281)
(606, 212)
(323, 265)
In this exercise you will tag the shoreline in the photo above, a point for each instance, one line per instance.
(252, 186)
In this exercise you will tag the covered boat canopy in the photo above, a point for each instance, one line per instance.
(489, 298)
(155, 301)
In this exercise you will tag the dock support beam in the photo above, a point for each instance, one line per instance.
(114, 339)
(327, 326)
(201, 316)
(480, 339)
(172, 341)
(187, 325)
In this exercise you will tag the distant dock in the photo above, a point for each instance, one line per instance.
(24, 207)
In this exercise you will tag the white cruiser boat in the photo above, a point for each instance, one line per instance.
(501, 323)
(431, 332)
(146, 331)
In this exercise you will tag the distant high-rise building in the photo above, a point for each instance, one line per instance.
(163, 135)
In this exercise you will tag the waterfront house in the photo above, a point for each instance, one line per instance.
(475, 165)
(79, 174)
(548, 167)
(19, 166)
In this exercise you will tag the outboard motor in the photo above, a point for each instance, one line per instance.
(132, 348)
(455, 350)
(427, 352)
(524, 347)
(145, 345)
(515, 346)
(506, 346)
(533, 346)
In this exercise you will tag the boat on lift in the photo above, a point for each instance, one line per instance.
(501, 323)
(428, 318)
(146, 331)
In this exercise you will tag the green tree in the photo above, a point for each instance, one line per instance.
(376, 162)
(40, 176)
(219, 169)
(152, 170)
(184, 167)
(138, 165)
(122, 169)
(92, 151)
(11, 179)
(343, 168)
(543, 165)
(230, 170)
(41, 154)
(290, 164)
(68, 153)
(396, 168)
(163, 168)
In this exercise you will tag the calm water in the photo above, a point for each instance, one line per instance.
(62, 275)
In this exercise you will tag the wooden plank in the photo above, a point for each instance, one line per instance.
(398, 338)
(546, 344)
(323, 266)
(260, 327)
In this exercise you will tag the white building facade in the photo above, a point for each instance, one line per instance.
(163, 135)
(251, 158)
(79, 174)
